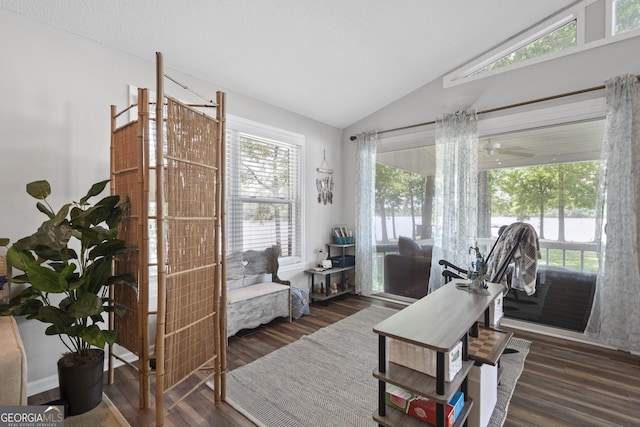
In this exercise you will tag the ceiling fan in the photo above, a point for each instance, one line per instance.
(494, 147)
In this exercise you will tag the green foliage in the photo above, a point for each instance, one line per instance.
(398, 191)
(522, 191)
(573, 260)
(51, 266)
(398, 188)
(265, 172)
(627, 16)
(555, 41)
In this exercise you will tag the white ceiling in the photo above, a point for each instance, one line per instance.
(335, 61)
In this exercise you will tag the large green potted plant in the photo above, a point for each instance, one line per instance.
(71, 254)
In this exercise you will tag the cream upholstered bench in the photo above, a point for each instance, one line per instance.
(255, 293)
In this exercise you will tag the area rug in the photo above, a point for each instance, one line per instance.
(325, 379)
(103, 415)
(512, 365)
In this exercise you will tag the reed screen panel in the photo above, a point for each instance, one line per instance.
(191, 231)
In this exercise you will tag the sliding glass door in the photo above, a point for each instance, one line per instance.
(545, 176)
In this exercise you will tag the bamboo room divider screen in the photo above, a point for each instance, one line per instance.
(184, 175)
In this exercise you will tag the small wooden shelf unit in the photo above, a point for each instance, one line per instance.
(437, 322)
(326, 274)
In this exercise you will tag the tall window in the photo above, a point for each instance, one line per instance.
(546, 176)
(263, 189)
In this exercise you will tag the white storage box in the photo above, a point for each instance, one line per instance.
(423, 359)
(482, 386)
(495, 311)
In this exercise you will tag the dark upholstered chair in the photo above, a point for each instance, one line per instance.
(407, 272)
(563, 299)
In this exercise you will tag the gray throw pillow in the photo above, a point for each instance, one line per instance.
(299, 302)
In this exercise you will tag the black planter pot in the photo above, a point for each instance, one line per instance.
(81, 385)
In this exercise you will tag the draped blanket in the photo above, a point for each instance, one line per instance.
(518, 244)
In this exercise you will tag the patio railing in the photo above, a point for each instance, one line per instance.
(575, 255)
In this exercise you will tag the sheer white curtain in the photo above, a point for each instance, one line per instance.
(615, 317)
(456, 193)
(365, 230)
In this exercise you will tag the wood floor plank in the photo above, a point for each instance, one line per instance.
(563, 383)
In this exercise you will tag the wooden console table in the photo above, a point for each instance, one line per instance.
(437, 322)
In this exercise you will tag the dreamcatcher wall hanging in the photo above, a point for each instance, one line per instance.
(324, 182)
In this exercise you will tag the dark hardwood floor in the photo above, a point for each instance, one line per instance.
(563, 383)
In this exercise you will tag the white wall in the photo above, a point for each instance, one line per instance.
(55, 95)
(575, 72)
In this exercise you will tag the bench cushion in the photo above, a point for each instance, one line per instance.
(254, 291)
(254, 305)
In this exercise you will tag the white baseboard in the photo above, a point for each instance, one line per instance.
(553, 332)
(397, 299)
(48, 383)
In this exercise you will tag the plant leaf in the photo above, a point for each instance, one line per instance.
(109, 248)
(95, 189)
(118, 310)
(109, 336)
(19, 258)
(85, 306)
(24, 306)
(55, 316)
(96, 337)
(98, 272)
(20, 278)
(104, 209)
(52, 236)
(115, 218)
(61, 215)
(123, 279)
(45, 279)
(45, 210)
(39, 189)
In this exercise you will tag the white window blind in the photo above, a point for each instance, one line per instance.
(263, 190)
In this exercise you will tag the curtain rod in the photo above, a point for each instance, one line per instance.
(492, 110)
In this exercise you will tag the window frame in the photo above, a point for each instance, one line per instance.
(469, 71)
(610, 13)
(264, 132)
(506, 122)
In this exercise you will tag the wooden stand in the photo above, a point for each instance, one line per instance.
(437, 322)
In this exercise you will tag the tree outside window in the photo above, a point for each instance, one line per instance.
(264, 194)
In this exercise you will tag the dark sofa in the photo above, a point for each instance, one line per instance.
(563, 296)
(407, 272)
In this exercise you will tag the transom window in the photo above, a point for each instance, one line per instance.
(625, 16)
(582, 26)
(555, 41)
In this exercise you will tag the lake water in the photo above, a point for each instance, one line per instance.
(575, 229)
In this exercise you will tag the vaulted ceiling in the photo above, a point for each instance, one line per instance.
(335, 61)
